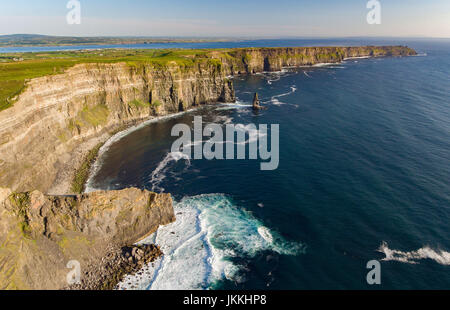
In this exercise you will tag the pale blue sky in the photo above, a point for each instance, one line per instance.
(262, 18)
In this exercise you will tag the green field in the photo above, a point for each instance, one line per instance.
(16, 69)
(43, 40)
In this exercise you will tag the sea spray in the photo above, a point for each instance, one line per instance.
(159, 174)
(201, 247)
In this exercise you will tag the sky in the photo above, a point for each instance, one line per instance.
(228, 18)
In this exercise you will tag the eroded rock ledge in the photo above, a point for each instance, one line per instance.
(40, 234)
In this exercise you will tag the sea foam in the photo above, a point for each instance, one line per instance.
(413, 257)
(210, 231)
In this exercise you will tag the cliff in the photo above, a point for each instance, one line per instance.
(58, 119)
(254, 60)
(40, 234)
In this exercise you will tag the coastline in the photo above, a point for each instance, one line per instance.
(124, 277)
(119, 134)
(123, 132)
(100, 138)
(65, 177)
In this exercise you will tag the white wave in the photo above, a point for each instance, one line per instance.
(199, 247)
(159, 174)
(324, 64)
(274, 76)
(232, 106)
(265, 233)
(270, 81)
(280, 72)
(439, 256)
(306, 73)
(358, 57)
(293, 90)
(274, 99)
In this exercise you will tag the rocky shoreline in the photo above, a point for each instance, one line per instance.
(42, 234)
(116, 264)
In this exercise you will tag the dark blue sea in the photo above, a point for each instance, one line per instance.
(364, 174)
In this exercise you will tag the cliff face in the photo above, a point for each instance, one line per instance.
(245, 61)
(40, 234)
(59, 118)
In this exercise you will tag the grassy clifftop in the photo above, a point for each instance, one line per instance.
(17, 69)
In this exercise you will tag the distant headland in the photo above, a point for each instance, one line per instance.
(16, 40)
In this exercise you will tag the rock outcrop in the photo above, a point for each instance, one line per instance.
(256, 103)
(115, 266)
(40, 234)
(58, 119)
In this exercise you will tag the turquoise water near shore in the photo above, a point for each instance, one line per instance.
(364, 174)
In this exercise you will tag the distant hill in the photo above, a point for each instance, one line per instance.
(43, 40)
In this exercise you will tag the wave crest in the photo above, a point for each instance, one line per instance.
(208, 243)
(439, 256)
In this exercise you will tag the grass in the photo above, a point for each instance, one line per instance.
(14, 73)
(138, 104)
(21, 202)
(90, 117)
(82, 174)
(156, 104)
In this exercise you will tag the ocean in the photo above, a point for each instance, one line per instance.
(364, 174)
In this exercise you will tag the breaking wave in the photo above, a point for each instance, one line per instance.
(274, 99)
(160, 173)
(413, 257)
(201, 248)
(324, 64)
(233, 106)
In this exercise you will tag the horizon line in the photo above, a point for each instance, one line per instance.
(231, 36)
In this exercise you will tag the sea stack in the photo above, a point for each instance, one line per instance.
(256, 103)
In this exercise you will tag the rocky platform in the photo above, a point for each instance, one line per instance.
(41, 234)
